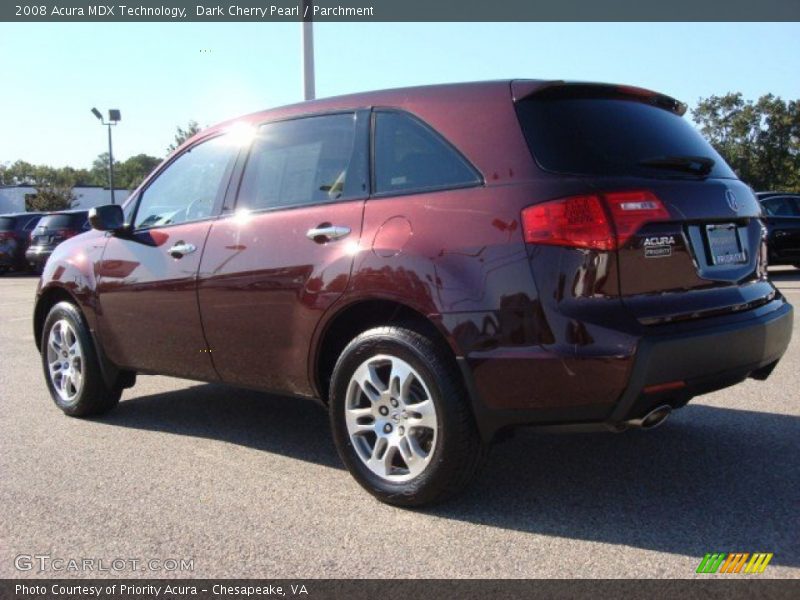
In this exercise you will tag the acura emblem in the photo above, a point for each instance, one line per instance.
(731, 198)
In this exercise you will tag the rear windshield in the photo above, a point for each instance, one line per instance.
(7, 223)
(63, 221)
(611, 136)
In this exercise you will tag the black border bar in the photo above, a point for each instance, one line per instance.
(730, 587)
(399, 10)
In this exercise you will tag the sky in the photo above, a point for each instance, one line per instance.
(161, 75)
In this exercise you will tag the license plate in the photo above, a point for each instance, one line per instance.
(724, 244)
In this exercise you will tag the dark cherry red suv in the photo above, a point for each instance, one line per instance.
(435, 264)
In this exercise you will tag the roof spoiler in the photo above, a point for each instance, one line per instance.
(522, 89)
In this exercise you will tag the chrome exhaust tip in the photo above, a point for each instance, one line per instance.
(652, 419)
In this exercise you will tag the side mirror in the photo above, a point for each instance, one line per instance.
(107, 218)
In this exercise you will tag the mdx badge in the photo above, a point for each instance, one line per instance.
(658, 246)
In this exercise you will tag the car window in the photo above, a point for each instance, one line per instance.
(597, 135)
(781, 207)
(7, 223)
(300, 162)
(61, 221)
(410, 156)
(187, 189)
(31, 223)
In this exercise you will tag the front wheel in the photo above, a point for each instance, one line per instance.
(401, 419)
(71, 367)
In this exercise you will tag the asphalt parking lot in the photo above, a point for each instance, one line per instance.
(249, 485)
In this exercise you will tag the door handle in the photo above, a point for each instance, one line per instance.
(180, 249)
(327, 232)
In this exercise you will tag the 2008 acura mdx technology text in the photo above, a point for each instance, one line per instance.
(434, 264)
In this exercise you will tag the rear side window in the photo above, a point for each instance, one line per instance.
(410, 157)
(610, 136)
(7, 223)
(782, 207)
(301, 162)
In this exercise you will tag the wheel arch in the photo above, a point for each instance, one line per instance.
(47, 299)
(359, 316)
(54, 294)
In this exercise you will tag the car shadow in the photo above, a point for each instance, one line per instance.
(783, 275)
(19, 275)
(710, 480)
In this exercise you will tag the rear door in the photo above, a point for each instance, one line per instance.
(272, 266)
(147, 281)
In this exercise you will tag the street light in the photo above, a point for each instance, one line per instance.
(309, 93)
(114, 117)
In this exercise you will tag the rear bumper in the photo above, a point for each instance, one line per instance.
(705, 360)
(703, 357)
(37, 255)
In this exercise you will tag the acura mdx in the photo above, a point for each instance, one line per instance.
(435, 265)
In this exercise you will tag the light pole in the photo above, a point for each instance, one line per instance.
(114, 117)
(308, 51)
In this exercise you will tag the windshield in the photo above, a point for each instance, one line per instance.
(63, 221)
(613, 136)
(6, 223)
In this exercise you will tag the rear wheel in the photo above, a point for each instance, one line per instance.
(71, 367)
(400, 418)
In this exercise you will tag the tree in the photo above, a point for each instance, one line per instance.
(49, 197)
(18, 173)
(132, 172)
(98, 174)
(760, 140)
(181, 135)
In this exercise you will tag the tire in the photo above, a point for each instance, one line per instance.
(380, 431)
(79, 390)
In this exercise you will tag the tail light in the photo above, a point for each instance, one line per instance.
(596, 221)
(7, 235)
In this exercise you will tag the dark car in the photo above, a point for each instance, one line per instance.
(782, 213)
(15, 232)
(50, 231)
(433, 264)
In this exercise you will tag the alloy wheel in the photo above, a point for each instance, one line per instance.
(65, 360)
(391, 418)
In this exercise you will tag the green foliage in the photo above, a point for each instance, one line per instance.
(181, 135)
(759, 140)
(49, 197)
(132, 172)
(127, 174)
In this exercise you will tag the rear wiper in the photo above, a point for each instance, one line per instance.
(701, 165)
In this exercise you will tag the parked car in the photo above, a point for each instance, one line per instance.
(435, 265)
(50, 231)
(15, 230)
(782, 213)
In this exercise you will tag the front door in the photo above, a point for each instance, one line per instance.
(147, 280)
(272, 267)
